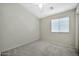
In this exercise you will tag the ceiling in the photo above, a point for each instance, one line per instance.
(47, 9)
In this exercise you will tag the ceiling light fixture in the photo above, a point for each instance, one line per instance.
(40, 5)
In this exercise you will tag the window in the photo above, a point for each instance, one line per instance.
(60, 25)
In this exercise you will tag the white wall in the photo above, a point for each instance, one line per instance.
(62, 39)
(18, 26)
(0, 28)
(77, 9)
(77, 31)
(77, 27)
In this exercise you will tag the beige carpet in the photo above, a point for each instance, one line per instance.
(40, 48)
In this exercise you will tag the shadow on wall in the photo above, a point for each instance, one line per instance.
(18, 26)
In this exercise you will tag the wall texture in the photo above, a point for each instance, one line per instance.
(0, 27)
(77, 31)
(77, 27)
(62, 39)
(18, 26)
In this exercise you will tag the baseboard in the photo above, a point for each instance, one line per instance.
(19, 45)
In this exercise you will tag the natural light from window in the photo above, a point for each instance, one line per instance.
(60, 25)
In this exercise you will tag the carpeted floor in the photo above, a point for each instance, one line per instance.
(40, 48)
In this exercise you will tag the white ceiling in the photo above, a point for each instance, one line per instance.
(46, 11)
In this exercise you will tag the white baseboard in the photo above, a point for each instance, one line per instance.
(18, 45)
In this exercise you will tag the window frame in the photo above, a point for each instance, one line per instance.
(59, 31)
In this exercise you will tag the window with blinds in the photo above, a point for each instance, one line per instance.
(60, 25)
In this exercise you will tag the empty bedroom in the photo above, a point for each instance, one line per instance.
(39, 29)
